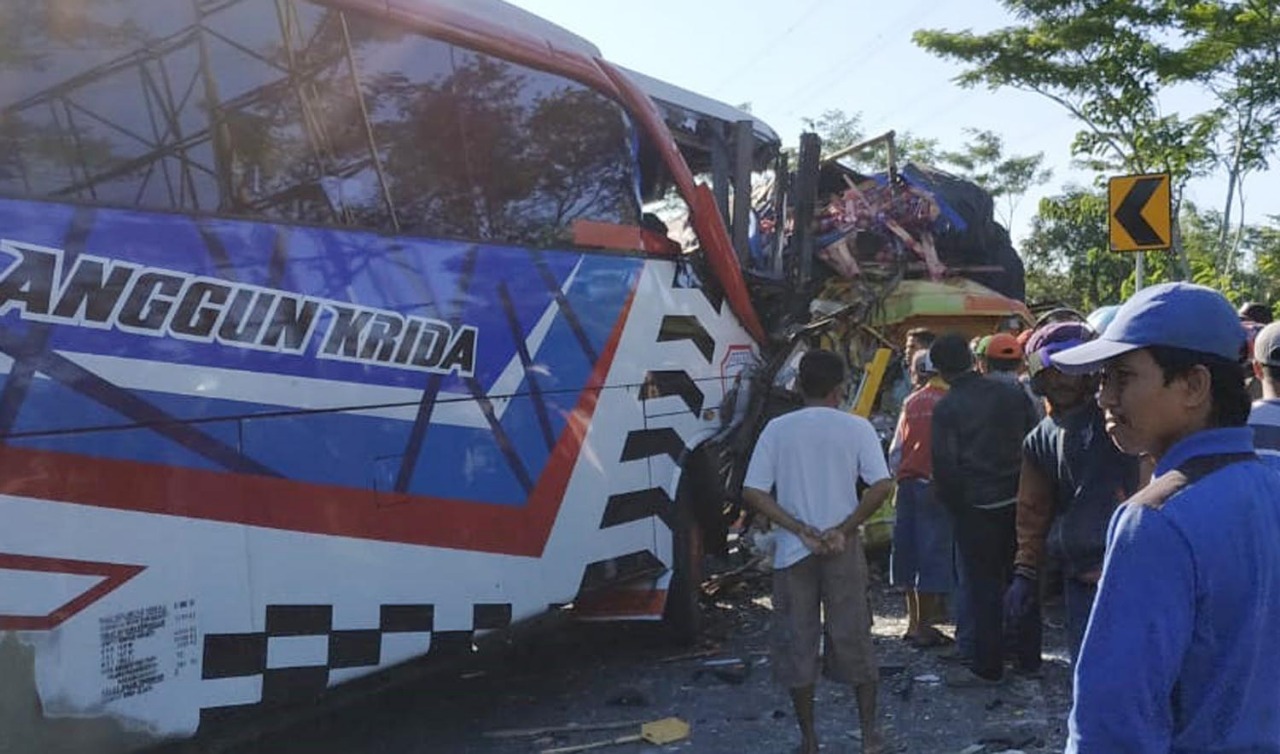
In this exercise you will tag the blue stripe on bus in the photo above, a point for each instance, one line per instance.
(406, 275)
(319, 448)
(492, 465)
(52, 407)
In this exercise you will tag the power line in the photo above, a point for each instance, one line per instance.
(1039, 128)
(770, 48)
(807, 93)
(916, 99)
(947, 107)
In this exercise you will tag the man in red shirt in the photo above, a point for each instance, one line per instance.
(921, 562)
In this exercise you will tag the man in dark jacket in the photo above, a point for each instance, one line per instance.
(1073, 478)
(978, 430)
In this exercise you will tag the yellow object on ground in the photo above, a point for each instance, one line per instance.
(668, 730)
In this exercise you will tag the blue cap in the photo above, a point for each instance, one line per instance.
(1179, 315)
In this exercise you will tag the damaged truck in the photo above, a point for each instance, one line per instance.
(850, 261)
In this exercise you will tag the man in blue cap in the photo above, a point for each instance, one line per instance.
(1183, 646)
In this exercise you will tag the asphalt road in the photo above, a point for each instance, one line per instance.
(592, 673)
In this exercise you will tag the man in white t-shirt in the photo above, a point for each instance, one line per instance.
(813, 458)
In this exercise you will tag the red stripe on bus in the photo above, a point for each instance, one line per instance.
(316, 508)
(113, 575)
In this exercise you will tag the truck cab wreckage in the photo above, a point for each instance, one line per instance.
(846, 261)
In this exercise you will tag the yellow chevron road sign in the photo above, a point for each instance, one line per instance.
(1141, 212)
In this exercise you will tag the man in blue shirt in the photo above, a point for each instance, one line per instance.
(1182, 652)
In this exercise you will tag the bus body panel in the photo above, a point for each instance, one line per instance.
(285, 402)
(263, 552)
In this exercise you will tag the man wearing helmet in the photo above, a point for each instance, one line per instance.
(1072, 479)
(1264, 417)
(1099, 318)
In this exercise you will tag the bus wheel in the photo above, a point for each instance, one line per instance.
(683, 612)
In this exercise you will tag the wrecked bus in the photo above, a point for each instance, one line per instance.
(334, 333)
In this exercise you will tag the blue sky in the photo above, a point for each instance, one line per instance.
(800, 58)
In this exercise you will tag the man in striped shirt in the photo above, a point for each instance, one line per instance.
(1264, 418)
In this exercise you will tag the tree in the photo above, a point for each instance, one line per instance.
(1067, 254)
(1234, 52)
(1069, 261)
(1257, 276)
(1109, 65)
(1100, 62)
(1263, 243)
(839, 130)
(1006, 178)
(982, 160)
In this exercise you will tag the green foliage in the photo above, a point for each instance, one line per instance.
(839, 129)
(981, 160)
(1006, 177)
(1067, 255)
(1264, 244)
(1098, 61)
(1069, 261)
(1233, 52)
(1111, 65)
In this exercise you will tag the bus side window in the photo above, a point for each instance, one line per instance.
(87, 115)
(292, 128)
(243, 107)
(292, 112)
(480, 148)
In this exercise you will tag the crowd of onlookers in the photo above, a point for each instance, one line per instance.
(1123, 460)
(1031, 480)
